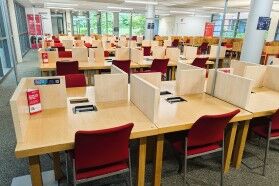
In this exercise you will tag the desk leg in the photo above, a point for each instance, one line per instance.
(173, 73)
(240, 143)
(158, 160)
(142, 162)
(229, 143)
(35, 171)
(57, 166)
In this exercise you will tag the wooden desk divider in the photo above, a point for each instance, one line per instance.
(111, 87)
(122, 53)
(155, 78)
(136, 56)
(159, 52)
(173, 54)
(97, 43)
(213, 52)
(167, 43)
(51, 96)
(190, 52)
(68, 43)
(132, 44)
(80, 54)
(275, 61)
(248, 70)
(115, 70)
(230, 88)
(96, 55)
(146, 43)
(190, 81)
(52, 56)
(271, 77)
(145, 96)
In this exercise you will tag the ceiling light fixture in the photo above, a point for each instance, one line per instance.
(180, 12)
(142, 2)
(210, 7)
(60, 8)
(120, 8)
(61, 4)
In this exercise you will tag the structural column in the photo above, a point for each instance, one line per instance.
(15, 31)
(116, 24)
(68, 22)
(254, 38)
(149, 27)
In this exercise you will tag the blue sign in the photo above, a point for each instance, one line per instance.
(263, 23)
(46, 81)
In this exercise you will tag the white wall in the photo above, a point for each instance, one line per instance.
(273, 26)
(182, 25)
(46, 18)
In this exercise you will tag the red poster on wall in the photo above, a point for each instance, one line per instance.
(209, 29)
(34, 29)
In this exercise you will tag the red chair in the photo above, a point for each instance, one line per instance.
(106, 53)
(200, 62)
(159, 65)
(267, 128)
(55, 40)
(205, 137)
(58, 44)
(65, 54)
(123, 65)
(134, 38)
(100, 154)
(147, 51)
(66, 67)
(88, 45)
(75, 80)
(203, 48)
(175, 43)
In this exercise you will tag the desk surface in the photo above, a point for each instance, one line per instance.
(263, 102)
(181, 116)
(53, 130)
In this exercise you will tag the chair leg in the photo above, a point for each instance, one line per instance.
(185, 162)
(222, 164)
(67, 167)
(267, 148)
(130, 170)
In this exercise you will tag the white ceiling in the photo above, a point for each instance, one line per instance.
(163, 7)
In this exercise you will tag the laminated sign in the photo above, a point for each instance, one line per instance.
(45, 57)
(34, 101)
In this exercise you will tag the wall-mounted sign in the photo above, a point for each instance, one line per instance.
(209, 29)
(150, 26)
(263, 23)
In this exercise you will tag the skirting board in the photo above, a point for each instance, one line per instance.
(48, 180)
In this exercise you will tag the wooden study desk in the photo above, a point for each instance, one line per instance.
(181, 116)
(53, 131)
(263, 102)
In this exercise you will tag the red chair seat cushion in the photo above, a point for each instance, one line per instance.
(65, 54)
(177, 141)
(89, 173)
(262, 130)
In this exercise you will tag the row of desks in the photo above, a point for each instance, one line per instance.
(52, 131)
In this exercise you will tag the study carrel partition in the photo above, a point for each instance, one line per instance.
(111, 87)
(96, 55)
(52, 55)
(51, 96)
(122, 53)
(145, 96)
(80, 54)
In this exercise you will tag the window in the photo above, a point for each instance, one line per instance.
(276, 38)
(22, 28)
(93, 22)
(124, 23)
(6, 55)
(80, 23)
(138, 23)
(234, 25)
(107, 23)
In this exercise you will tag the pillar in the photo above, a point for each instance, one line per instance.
(254, 39)
(15, 31)
(149, 27)
(116, 24)
(68, 22)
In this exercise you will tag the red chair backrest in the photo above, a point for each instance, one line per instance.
(275, 121)
(55, 40)
(159, 65)
(106, 53)
(123, 65)
(88, 45)
(102, 147)
(209, 129)
(75, 80)
(200, 62)
(146, 51)
(66, 67)
(204, 47)
(65, 54)
(175, 43)
(134, 38)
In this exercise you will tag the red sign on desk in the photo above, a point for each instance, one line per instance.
(209, 29)
(45, 57)
(34, 101)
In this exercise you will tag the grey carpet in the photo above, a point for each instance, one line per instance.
(201, 171)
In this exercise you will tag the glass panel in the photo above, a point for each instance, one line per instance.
(138, 23)
(93, 22)
(80, 24)
(124, 23)
(107, 23)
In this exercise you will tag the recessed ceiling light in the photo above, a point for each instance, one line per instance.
(180, 12)
(142, 2)
(211, 7)
(60, 8)
(62, 4)
(120, 8)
